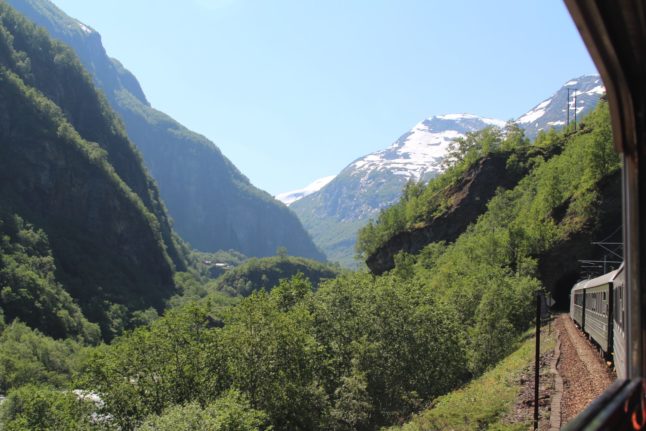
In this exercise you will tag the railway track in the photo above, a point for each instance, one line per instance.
(584, 372)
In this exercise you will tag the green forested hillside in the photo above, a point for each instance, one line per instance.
(265, 273)
(83, 254)
(213, 205)
(556, 198)
(29, 289)
(358, 353)
(79, 211)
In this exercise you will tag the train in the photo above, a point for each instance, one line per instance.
(598, 307)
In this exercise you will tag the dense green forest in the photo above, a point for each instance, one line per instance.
(265, 273)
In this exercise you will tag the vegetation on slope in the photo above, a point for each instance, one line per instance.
(358, 353)
(486, 402)
(68, 171)
(29, 357)
(265, 273)
(213, 205)
(29, 290)
(420, 202)
(569, 179)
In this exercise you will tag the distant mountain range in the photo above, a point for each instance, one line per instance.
(335, 213)
(213, 205)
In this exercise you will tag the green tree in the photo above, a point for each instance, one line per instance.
(230, 412)
(281, 252)
(30, 408)
(271, 358)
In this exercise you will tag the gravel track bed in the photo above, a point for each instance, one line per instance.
(584, 372)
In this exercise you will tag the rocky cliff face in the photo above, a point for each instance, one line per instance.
(212, 204)
(67, 167)
(469, 198)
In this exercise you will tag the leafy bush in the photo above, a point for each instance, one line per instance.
(28, 357)
(265, 273)
(28, 287)
(230, 412)
(32, 407)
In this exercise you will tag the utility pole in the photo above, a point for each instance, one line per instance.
(537, 359)
(575, 109)
(567, 109)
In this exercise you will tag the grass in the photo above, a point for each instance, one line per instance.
(488, 401)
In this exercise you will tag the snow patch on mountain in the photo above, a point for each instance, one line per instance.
(553, 112)
(535, 113)
(84, 27)
(489, 121)
(418, 154)
(289, 198)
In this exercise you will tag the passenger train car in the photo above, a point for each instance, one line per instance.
(597, 306)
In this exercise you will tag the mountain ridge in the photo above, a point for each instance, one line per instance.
(213, 205)
(70, 176)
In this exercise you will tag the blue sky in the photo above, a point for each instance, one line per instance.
(295, 90)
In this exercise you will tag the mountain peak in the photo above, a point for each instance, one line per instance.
(458, 117)
(289, 198)
(553, 111)
(418, 153)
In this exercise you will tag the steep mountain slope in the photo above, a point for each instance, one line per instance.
(568, 197)
(468, 198)
(68, 170)
(212, 204)
(334, 214)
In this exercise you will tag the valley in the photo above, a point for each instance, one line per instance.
(147, 284)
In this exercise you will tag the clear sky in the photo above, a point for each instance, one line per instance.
(294, 90)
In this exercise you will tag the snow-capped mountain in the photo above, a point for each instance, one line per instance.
(290, 197)
(553, 112)
(335, 213)
(418, 154)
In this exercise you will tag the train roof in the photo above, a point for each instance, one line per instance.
(599, 281)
